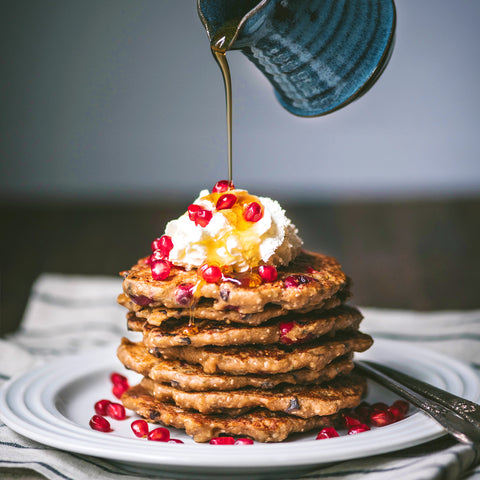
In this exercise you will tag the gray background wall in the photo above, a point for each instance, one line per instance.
(121, 99)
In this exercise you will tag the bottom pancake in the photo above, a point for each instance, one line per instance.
(301, 401)
(259, 424)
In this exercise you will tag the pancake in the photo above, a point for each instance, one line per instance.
(307, 281)
(303, 401)
(260, 424)
(292, 328)
(188, 377)
(268, 359)
(156, 313)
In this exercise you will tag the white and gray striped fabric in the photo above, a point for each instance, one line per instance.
(70, 314)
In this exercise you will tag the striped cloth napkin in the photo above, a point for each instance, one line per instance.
(70, 314)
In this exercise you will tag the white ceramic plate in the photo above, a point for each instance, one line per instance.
(54, 403)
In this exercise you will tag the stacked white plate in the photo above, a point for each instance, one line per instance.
(54, 403)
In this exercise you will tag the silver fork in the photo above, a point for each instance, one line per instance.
(458, 416)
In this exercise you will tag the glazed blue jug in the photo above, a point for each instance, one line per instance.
(319, 55)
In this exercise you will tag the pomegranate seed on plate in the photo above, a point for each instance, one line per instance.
(358, 429)
(397, 413)
(101, 407)
(327, 432)
(311, 270)
(268, 273)
(226, 201)
(100, 424)
(211, 273)
(297, 280)
(222, 441)
(380, 418)
(253, 212)
(379, 406)
(161, 269)
(139, 428)
(244, 441)
(175, 440)
(159, 435)
(119, 389)
(184, 294)
(222, 186)
(363, 412)
(118, 378)
(402, 405)
(351, 421)
(116, 411)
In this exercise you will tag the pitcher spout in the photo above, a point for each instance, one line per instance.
(233, 24)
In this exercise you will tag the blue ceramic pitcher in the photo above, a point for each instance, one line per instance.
(319, 55)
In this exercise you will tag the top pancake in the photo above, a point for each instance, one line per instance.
(319, 278)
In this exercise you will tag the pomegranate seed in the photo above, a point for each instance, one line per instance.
(119, 389)
(118, 378)
(297, 280)
(192, 210)
(163, 245)
(100, 424)
(379, 406)
(161, 269)
(253, 212)
(116, 411)
(175, 440)
(363, 412)
(311, 270)
(211, 273)
(244, 441)
(203, 218)
(402, 405)
(155, 257)
(139, 428)
(268, 273)
(351, 421)
(226, 201)
(380, 418)
(159, 435)
(222, 186)
(359, 429)
(141, 300)
(222, 441)
(397, 413)
(101, 407)
(184, 294)
(328, 432)
(285, 327)
(199, 215)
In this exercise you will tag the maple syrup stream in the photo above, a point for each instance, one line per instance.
(218, 47)
(218, 50)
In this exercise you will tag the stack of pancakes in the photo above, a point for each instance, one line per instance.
(241, 356)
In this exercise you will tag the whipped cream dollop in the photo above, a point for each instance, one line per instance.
(228, 239)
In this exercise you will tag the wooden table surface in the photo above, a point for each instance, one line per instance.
(422, 255)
